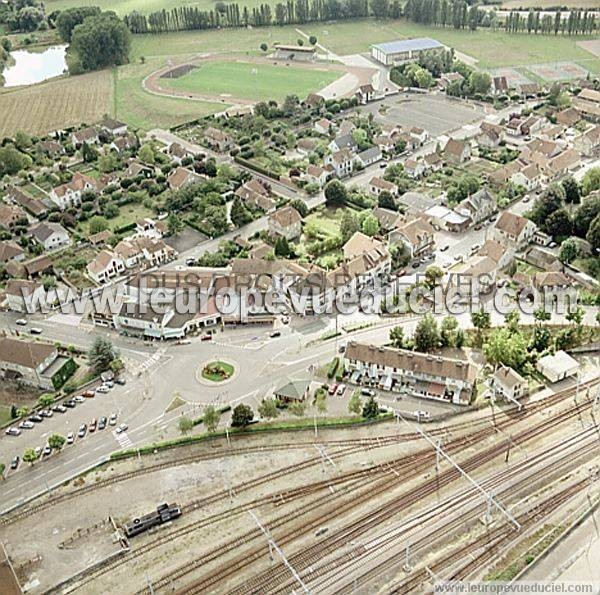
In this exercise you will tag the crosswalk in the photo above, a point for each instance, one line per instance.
(123, 439)
(149, 362)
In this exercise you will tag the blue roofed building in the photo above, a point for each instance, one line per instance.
(403, 51)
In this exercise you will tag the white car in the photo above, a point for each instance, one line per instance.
(421, 414)
(122, 428)
(79, 399)
(112, 420)
(103, 389)
(26, 425)
(21, 322)
(13, 431)
(341, 389)
(70, 438)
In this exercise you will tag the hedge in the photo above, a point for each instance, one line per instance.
(64, 373)
(333, 366)
(256, 167)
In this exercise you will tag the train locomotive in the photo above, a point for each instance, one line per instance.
(163, 514)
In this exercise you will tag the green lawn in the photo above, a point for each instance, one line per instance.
(253, 81)
(4, 415)
(227, 371)
(144, 110)
(127, 214)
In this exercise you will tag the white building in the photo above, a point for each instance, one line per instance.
(558, 366)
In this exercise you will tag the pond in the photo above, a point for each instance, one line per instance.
(28, 67)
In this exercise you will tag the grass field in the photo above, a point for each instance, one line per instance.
(550, 4)
(146, 111)
(250, 80)
(127, 214)
(56, 104)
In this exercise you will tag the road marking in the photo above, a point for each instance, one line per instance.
(123, 439)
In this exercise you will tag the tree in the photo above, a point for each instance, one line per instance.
(507, 348)
(68, 19)
(559, 223)
(348, 225)
(185, 424)
(89, 153)
(397, 337)
(282, 247)
(569, 250)
(321, 402)
(370, 225)
(101, 354)
(174, 224)
(540, 315)
(242, 415)
(480, 82)
(572, 192)
(385, 200)
(97, 224)
(432, 274)
(547, 203)
(101, 40)
(590, 181)
(297, 408)
(22, 412)
(336, 194)
(312, 40)
(449, 331)
(585, 213)
(45, 400)
(146, 154)
(300, 206)
(264, 47)
(370, 409)
(593, 234)
(268, 409)
(56, 441)
(29, 456)
(211, 418)
(12, 161)
(576, 316)
(481, 321)
(354, 404)
(2, 470)
(240, 214)
(290, 105)
(427, 334)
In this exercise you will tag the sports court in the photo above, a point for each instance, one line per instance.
(558, 71)
(513, 76)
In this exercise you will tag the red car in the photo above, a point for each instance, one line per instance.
(332, 389)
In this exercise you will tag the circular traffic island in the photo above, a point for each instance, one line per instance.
(217, 371)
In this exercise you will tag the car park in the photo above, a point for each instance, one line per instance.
(59, 409)
(15, 462)
(112, 420)
(82, 431)
(36, 330)
(21, 322)
(70, 438)
(26, 425)
(122, 428)
(13, 431)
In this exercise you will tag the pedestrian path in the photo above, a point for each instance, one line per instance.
(123, 439)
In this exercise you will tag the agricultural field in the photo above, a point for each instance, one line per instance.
(252, 80)
(144, 110)
(56, 104)
(550, 4)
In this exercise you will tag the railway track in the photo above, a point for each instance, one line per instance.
(271, 579)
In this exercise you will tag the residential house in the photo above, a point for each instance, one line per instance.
(50, 235)
(513, 230)
(490, 135)
(285, 222)
(27, 361)
(387, 219)
(256, 194)
(378, 185)
(414, 168)
(479, 274)
(547, 148)
(568, 117)
(513, 126)
(342, 162)
(106, 266)
(368, 156)
(448, 78)
(588, 143)
(343, 141)
(181, 177)
(178, 153)
(532, 124)
(417, 235)
(100, 238)
(509, 384)
(385, 143)
(121, 144)
(433, 162)
(307, 145)
(11, 216)
(530, 177)
(11, 251)
(316, 174)
(347, 127)
(34, 206)
(23, 295)
(503, 174)
(324, 126)
(314, 101)
(529, 90)
(365, 94)
(420, 135)
(500, 85)
(588, 103)
(499, 253)
(563, 164)
(457, 151)
(217, 139)
(114, 127)
(50, 148)
(442, 217)
(69, 194)
(359, 244)
(89, 135)
(137, 169)
(419, 374)
(548, 281)
(478, 207)
(38, 266)
(150, 228)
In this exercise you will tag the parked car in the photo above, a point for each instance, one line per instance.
(108, 383)
(47, 450)
(275, 334)
(26, 425)
(70, 403)
(82, 431)
(38, 451)
(36, 330)
(122, 428)
(120, 381)
(103, 389)
(59, 409)
(367, 392)
(79, 399)
(70, 438)
(46, 413)
(15, 462)
(92, 426)
(112, 420)
(102, 423)
(36, 418)
(341, 389)
(21, 322)
(421, 414)
(13, 431)
(332, 389)
(190, 261)
(88, 394)
(206, 338)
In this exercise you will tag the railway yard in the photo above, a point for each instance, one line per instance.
(386, 507)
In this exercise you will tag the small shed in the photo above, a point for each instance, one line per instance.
(558, 366)
(295, 391)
